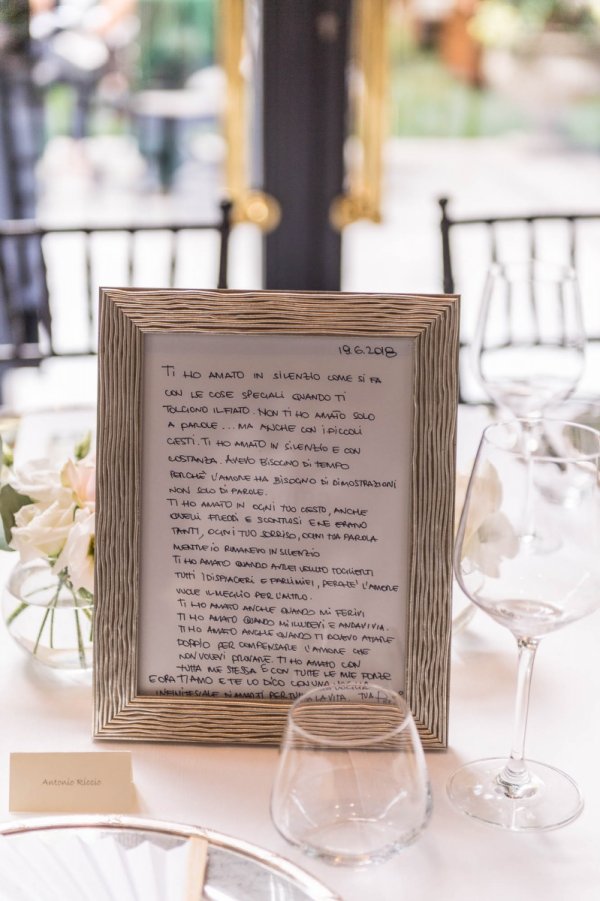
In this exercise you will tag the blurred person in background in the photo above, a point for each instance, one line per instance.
(79, 43)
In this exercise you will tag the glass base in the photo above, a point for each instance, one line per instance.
(354, 843)
(550, 799)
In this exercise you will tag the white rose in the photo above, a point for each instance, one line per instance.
(80, 479)
(38, 480)
(41, 530)
(77, 555)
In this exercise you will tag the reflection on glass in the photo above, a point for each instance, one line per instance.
(534, 566)
(528, 347)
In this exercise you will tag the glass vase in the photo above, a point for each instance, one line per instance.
(49, 619)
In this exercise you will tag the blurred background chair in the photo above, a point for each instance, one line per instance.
(470, 245)
(50, 277)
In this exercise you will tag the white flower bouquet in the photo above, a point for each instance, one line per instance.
(48, 515)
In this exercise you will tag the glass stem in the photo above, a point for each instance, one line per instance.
(515, 778)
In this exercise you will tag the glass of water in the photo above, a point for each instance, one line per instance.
(351, 786)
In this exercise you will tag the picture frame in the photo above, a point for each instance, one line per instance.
(403, 349)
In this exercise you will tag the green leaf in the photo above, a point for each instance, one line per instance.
(10, 503)
(83, 448)
(6, 454)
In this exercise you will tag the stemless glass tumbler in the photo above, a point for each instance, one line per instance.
(351, 785)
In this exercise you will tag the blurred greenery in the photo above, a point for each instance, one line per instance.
(427, 100)
(14, 23)
(60, 100)
(176, 38)
(582, 123)
(580, 16)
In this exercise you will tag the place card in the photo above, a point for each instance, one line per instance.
(94, 782)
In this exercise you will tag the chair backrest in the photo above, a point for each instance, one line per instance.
(49, 276)
(470, 244)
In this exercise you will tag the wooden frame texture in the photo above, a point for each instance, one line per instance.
(432, 322)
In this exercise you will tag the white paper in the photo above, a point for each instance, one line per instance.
(276, 478)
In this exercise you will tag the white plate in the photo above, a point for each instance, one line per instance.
(130, 859)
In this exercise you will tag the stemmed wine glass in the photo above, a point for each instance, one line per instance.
(530, 587)
(529, 341)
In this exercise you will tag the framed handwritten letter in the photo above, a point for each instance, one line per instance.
(275, 507)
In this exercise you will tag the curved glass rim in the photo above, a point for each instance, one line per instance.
(398, 700)
(575, 457)
(255, 854)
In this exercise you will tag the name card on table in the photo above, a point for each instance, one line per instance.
(63, 782)
(275, 507)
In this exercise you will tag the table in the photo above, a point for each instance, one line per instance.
(227, 788)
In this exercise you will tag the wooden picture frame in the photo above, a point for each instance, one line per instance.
(371, 334)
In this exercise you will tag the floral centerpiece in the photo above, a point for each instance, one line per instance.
(48, 518)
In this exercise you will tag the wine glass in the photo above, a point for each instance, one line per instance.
(532, 588)
(351, 786)
(529, 341)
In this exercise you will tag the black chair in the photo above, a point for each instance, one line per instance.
(470, 244)
(49, 277)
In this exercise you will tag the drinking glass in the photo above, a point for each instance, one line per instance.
(532, 588)
(351, 785)
(529, 341)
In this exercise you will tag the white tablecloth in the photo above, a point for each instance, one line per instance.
(228, 788)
